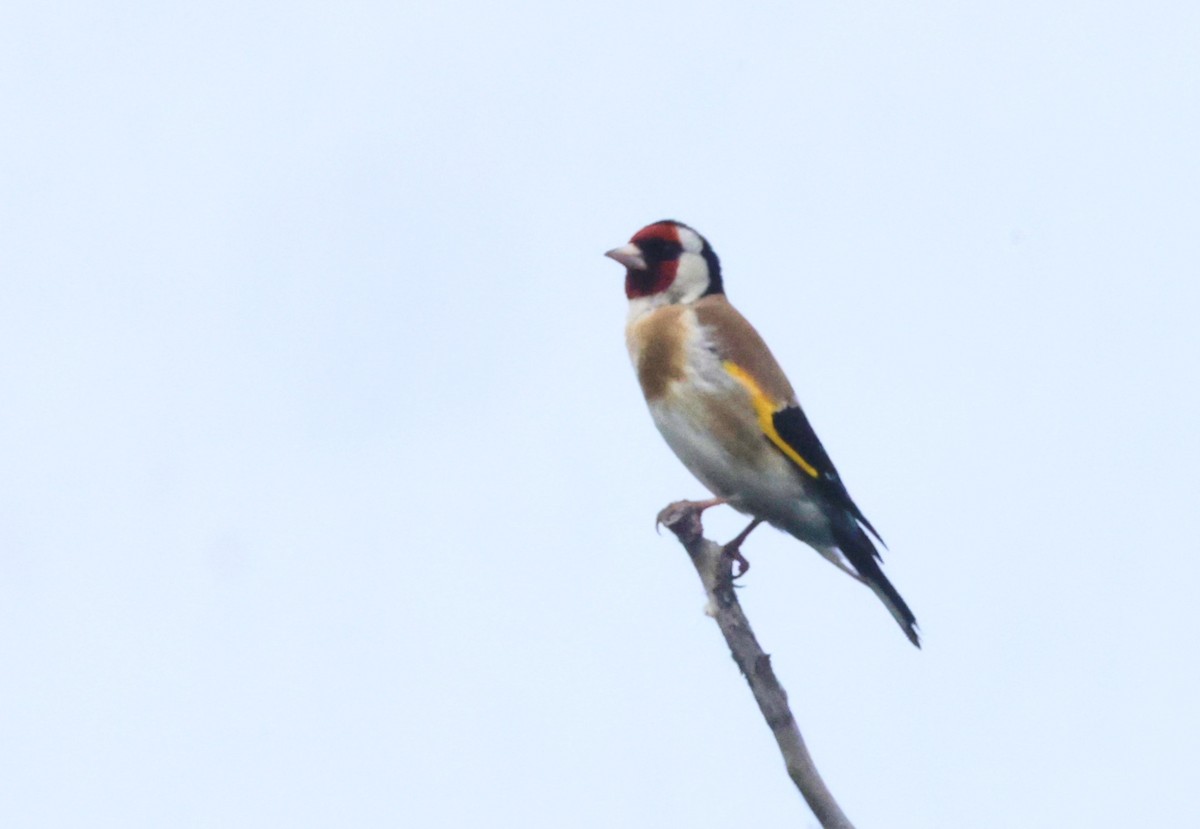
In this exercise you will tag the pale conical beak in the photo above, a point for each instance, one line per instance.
(629, 256)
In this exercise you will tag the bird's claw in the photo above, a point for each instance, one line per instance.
(743, 564)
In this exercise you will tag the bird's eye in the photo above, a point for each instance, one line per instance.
(660, 250)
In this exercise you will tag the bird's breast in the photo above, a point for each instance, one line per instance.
(703, 412)
(683, 378)
(659, 344)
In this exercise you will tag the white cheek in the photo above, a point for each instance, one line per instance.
(691, 278)
(690, 240)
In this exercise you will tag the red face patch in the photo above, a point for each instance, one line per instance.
(660, 247)
(663, 231)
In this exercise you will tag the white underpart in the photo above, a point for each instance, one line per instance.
(731, 457)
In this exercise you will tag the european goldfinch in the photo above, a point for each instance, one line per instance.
(727, 410)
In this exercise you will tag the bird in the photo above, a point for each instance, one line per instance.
(728, 411)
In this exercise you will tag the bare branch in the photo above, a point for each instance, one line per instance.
(715, 569)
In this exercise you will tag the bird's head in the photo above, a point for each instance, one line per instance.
(670, 262)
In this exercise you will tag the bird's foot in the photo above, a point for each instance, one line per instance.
(733, 549)
(743, 563)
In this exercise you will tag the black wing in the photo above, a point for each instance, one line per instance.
(793, 427)
(847, 524)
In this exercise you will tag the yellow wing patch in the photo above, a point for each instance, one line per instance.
(765, 408)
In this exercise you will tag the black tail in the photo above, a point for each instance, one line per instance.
(858, 548)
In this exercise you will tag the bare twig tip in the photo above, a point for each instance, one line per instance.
(683, 519)
(714, 565)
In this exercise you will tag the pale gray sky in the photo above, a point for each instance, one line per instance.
(328, 492)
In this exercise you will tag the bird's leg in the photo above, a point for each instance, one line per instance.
(701, 506)
(733, 548)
